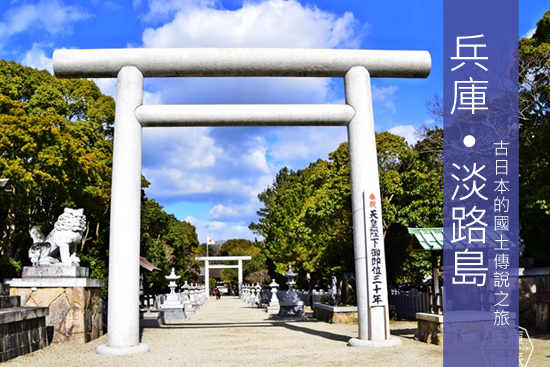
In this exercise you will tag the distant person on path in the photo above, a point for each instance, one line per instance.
(217, 293)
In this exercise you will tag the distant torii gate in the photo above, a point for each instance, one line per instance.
(207, 267)
(130, 66)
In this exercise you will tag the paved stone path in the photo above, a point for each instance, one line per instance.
(229, 332)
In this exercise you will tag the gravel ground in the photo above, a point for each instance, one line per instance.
(229, 332)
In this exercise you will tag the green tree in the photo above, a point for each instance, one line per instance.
(211, 286)
(534, 133)
(55, 148)
(306, 218)
(236, 243)
(417, 185)
(166, 242)
(254, 270)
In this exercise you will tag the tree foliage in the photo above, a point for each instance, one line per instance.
(55, 150)
(306, 218)
(254, 270)
(166, 242)
(534, 134)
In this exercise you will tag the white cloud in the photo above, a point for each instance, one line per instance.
(263, 182)
(191, 219)
(222, 165)
(382, 94)
(218, 230)
(240, 232)
(152, 98)
(52, 16)
(272, 23)
(530, 33)
(161, 9)
(179, 184)
(242, 90)
(255, 158)
(409, 132)
(36, 58)
(296, 147)
(222, 211)
(232, 212)
(228, 167)
(214, 225)
(188, 148)
(107, 86)
(385, 95)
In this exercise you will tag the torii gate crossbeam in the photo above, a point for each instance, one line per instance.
(130, 66)
(208, 266)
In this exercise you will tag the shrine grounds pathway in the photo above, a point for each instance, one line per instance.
(229, 332)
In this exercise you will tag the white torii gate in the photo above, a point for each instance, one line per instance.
(208, 266)
(131, 66)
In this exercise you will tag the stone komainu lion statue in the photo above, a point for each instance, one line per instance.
(62, 240)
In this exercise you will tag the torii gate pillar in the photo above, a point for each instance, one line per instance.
(240, 278)
(125, 220)
(368, 246)
(207, 278)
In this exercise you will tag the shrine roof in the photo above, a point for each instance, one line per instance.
(425, 239)
(146, 264)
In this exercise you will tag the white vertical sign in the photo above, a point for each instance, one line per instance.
(376, 264)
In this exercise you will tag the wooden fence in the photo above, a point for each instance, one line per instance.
(407, 304)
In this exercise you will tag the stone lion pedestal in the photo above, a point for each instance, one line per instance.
(74, 300)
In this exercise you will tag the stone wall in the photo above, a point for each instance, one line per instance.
(23, 337)
(335, 315)
(430, 328)
(22, 329)
(75, 312)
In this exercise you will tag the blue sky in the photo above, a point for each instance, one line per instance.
(211, 176)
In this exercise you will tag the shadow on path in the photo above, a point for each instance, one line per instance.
(220, 325)
(404, 333)
(290, 326)
(322, 334)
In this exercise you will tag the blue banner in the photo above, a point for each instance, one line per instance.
(481, 227)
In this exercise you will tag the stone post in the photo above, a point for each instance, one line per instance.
(123, 318)
(373, 321)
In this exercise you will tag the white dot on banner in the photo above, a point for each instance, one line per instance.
(469, 141)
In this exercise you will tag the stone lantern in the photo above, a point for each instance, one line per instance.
(172, 297)
(290, 276)
(291, 305)
(273, 306)
(172, 306)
